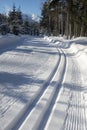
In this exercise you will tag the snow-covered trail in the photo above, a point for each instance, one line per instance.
(69, 108)
(46, 88)
(70, 111)
(25, 68)
(39, 117)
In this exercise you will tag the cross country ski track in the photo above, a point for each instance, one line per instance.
(60, 104)
(45, 99)
(75, 118)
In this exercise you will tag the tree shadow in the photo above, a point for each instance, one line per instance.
(76, 53)
(64, 45)
(8, 44)
(11, 85)
(38, 50)
(75, 87)
(37, 43)
(81, 41)
(30, 45)
(67, 44)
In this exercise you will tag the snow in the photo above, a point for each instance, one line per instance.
(43, 83)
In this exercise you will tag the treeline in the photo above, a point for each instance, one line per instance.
(17, 23)
(65, 17)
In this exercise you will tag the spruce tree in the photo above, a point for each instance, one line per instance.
(67, 17)
(15, 20)
(26, 25)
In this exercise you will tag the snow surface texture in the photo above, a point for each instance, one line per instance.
(43, 83)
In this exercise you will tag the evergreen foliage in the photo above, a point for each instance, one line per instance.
(15, 23)
(15, 20)
(26, 25)
(65, 17)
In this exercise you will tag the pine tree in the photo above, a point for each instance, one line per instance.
(15, 20)
(67, 17)
(4, 29)
(45, 18)
(26, 25)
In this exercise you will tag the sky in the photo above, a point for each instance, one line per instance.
(32, 7)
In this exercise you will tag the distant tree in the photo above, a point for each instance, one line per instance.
(15, 20)
(4, 28)
(45, 18)
(19, 16)
(26, 25)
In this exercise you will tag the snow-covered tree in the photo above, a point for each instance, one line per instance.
(26, 25)
(4, 28)
(67, 17)
(15, 20)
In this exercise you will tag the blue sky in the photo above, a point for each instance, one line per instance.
(27, 6)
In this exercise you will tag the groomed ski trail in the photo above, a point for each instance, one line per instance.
(60, 103)
(38, 118)
(51, 81)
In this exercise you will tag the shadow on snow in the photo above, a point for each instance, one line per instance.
(11, 85)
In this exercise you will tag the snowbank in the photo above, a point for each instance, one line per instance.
(74, 44)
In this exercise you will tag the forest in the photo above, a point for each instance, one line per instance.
(17, 23)
(58, 17)
(64, 17)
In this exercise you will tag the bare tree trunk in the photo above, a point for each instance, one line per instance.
(67, 25)
(57, 20)
(70, 35)
(81, 32)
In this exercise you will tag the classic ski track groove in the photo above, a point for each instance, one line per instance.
(18, 121)
(37, 114)
(38, 118)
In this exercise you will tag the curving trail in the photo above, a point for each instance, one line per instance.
(75, 118)
(60, 100)
(37, 119)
